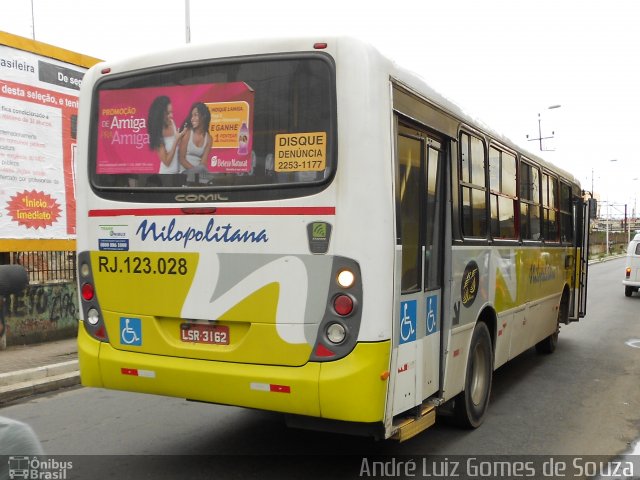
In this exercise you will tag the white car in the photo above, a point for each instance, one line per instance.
(631, 280)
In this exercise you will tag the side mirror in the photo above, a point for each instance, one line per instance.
(593, 208)
(13, 279)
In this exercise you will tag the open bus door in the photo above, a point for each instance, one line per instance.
(583, 211)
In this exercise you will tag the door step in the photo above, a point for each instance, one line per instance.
(408, 427)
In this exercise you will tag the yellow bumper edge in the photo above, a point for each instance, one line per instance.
(349, 389)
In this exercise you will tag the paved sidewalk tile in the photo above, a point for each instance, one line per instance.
(21, 357)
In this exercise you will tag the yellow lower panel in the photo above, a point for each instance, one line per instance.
(349, 389)
(355, 388)
(88, 351)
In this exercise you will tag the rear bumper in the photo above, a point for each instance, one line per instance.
(631, 283)
(350, 389)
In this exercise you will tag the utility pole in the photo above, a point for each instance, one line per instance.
(187, 20)
(540, 137)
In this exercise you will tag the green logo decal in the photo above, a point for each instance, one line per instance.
(319, 230)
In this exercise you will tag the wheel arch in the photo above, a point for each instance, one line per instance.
(489, 316)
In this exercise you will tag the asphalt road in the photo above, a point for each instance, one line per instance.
(584, 399)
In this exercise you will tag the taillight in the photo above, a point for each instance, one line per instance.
(343, 305)
(628, 272)
(93, 321)
(88, 291)
(340, 324)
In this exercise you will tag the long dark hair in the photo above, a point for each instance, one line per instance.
(203, 112)
(156, 121)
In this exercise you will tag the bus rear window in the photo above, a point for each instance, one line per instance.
(244, 129)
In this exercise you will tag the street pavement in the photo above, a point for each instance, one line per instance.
(37, 368)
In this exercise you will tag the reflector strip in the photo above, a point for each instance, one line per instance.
(269, 387)
(146, 212)
(138, 373)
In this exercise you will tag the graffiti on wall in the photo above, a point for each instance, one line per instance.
(42, 311)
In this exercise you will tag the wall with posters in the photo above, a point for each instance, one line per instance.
(39, 86)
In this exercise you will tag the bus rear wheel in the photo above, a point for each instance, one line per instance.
(470, 406)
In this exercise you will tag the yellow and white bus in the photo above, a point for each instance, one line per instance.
(302, 226)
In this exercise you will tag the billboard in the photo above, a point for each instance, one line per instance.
(38, 121)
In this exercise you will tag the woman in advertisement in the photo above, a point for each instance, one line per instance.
(196, 144)
(164, 137)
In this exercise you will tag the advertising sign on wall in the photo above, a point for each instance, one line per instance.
(38, 121)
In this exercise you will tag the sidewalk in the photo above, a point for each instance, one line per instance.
(31, 369)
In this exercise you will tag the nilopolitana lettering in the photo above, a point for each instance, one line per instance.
(211, 233)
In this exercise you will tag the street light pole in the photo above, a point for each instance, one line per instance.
(187, 20)
(540, 137)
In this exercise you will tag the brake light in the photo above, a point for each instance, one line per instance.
(343, 305)
(628, 272)
(88, 291)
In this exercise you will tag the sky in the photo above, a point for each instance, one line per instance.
(503, 61)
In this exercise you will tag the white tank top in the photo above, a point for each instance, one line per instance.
(168, 145)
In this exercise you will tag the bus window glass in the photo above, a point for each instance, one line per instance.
(222, 126)
(464, 156)
(473, 192)
(545, 190)
(508, 174)
(530, 227)
(477, 162)
(433, 220)
(494, 169)
(566, 218)
(409, 159)
(535, 185)
(502, 217)
(474, 212)
(550, 220)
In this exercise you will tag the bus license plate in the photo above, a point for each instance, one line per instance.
(212, 334)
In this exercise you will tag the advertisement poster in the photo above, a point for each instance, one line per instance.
(38, 119)
(137, 126)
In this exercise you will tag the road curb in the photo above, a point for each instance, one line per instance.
(32, 381)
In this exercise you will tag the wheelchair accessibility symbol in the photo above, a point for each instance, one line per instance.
(408, 321)
(130, 331)
(432, 314)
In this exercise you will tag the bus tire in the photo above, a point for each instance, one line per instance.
(470, 406)
(628, 291)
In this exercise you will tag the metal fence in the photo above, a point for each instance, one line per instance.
(47, 267)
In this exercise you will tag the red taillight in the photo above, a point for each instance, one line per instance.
(628, 272)
(87, 291)
(320, 45)
(343, 305)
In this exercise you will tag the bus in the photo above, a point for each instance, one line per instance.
(343, 244)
